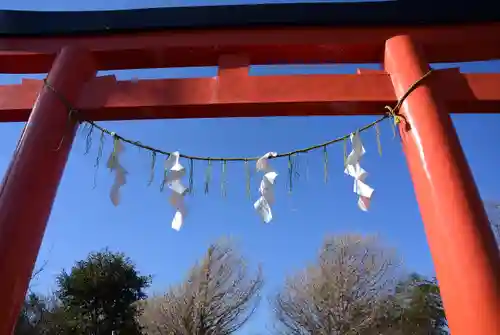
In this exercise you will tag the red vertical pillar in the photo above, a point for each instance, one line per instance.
(463, 248)
(29, 187)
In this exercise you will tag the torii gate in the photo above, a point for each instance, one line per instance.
(72, 47)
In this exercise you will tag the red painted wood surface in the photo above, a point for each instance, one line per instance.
(463, 248)
(30, 184)
(234, 94)
(263, 46)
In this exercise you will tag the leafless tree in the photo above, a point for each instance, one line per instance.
(39, 315)
(217, 298)
(493, 210)
(346, 292)
(37, 271)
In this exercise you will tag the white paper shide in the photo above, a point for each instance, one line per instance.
(120, 173)
(354, 169)
(174, 172)
(266, 189)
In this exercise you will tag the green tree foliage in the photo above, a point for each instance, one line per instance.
(99, 295)
(417, 308)
(355, 287)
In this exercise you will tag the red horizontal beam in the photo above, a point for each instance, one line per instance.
(263, 46)
(234, 95)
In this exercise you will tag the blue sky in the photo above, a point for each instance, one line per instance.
(84, 220)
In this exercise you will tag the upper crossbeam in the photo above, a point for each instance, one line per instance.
(239, 95)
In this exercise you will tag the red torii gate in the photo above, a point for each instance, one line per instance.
(462, 245)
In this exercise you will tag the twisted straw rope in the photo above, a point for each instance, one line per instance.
(392, 112)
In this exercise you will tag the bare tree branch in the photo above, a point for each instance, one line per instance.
(217, 298)
(493, 210)
(37, 271)
(346, 292)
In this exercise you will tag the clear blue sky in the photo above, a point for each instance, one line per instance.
(84, 220)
